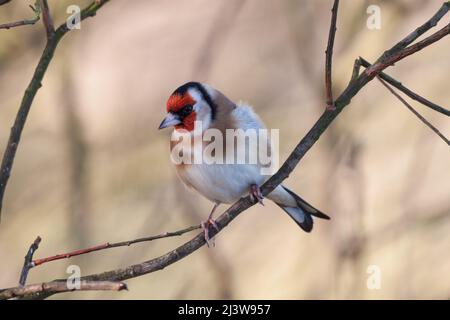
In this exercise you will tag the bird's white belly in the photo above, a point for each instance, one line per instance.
(224, 183)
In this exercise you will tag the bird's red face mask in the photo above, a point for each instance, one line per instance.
(180, 112)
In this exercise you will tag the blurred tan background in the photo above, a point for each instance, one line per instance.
(92, 166)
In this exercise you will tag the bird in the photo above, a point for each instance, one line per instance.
(224, 183)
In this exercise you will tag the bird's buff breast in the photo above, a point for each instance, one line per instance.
(218, 182)
(224, 183)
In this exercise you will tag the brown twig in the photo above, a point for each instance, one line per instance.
(417, 114)
(59, 287)
(108, 245)
(329, 56)
(401, 49)
(392, 57)
(37, 16)
(28, 264)
(47, 18)
(413, 36)
(30, 93)
(407, 91)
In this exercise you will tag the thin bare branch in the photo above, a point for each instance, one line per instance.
(108, 245)
(25, 22)
(408, 92)
(329, 56)
(417, 114)
(59, 287)
(47, 18)
(27, 265)
(413, 36)
(388, 60)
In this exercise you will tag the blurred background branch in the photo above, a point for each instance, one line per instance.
(53, 39)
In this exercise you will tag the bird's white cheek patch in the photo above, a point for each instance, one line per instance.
(203, 114)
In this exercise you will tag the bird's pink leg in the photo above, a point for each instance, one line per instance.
(210, 222)
(255, 194)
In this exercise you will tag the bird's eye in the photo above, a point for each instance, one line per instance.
(186, 110)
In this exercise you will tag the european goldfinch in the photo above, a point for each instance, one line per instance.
(196, 102)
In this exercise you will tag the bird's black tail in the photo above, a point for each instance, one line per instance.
(303, 213)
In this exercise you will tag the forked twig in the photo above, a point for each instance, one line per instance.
(417, 114)
(405, 90)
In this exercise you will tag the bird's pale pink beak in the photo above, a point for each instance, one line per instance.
(170, 120)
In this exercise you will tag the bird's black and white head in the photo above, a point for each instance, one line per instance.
(189, 103)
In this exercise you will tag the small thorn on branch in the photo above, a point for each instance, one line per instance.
(28, 263)
(329, 57)
(355, 71)
(331, 106)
